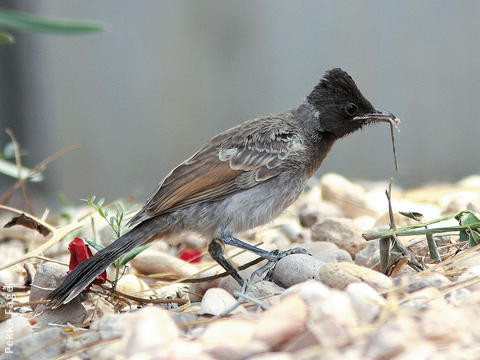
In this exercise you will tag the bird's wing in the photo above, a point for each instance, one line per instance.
(237, 159)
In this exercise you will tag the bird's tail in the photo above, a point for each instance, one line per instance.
(88, 270)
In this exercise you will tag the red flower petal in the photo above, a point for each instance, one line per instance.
(79, 251)
(191, 255)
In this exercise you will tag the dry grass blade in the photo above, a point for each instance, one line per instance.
(145, 300)
(58, 235)
(393, 124)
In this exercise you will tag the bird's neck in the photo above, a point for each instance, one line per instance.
(321, 146)
(318, 141)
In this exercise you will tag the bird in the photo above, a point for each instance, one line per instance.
(242, 178)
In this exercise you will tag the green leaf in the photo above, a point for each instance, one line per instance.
(412, 215)
(468, 218)
(10, 169)
(21, 21)
(96, 246)
(6, 38)
(130, 255)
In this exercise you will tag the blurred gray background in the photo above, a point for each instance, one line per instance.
(167, 75)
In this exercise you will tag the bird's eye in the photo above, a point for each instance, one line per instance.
(351, 109)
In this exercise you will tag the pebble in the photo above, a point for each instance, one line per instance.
(13, 328)
(270, 238)
(296, 268)
(179, 350)
(217, 301)
(172, 291)
(453, 203)
(448, 326)
(369, 256)
(73, 312)
(470, 181)
(392, 339)
(151, 327)
(229, 284)
(471, 273)
(282, 322)
(410, 283)
(156, 262)
(310, 291)
(311, 212)
(232, 339)
(342, 232)
(334, 256)
(349, 197)
(132, 285)
(273, 356)
(466, 260)
(48, 276)
(317, 247)
(325, 304)
(340, 275)
(144, 330)
(46, 344)
(293, 231)
(425, 298)
(365, 301)
(264, 288)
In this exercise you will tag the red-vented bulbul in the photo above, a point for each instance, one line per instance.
(242, 178)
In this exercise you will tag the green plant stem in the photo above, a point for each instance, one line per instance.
(432, 248)
(408, 231)
(384, 253)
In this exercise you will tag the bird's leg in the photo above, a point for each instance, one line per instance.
(215, 249)
(271, 256)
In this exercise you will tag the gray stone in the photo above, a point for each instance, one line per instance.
(149, 328)
(217, 301)
(339, 275)
(365, 301)
(296, 268)
(349, 197)
(311, 212)
(342, 232)
(14, 328)
(48, 276)
(369, 256)
(44, 345)
(420, 281)
(73, 312)
(334, 256)
(264, 288)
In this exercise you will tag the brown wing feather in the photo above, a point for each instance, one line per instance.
(237, 159)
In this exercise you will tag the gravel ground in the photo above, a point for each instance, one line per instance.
(333, 303)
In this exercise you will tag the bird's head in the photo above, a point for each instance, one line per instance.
(340, 106)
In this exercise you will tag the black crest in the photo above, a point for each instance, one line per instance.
(337, 87)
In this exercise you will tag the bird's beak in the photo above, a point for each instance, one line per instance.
(378, 116)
